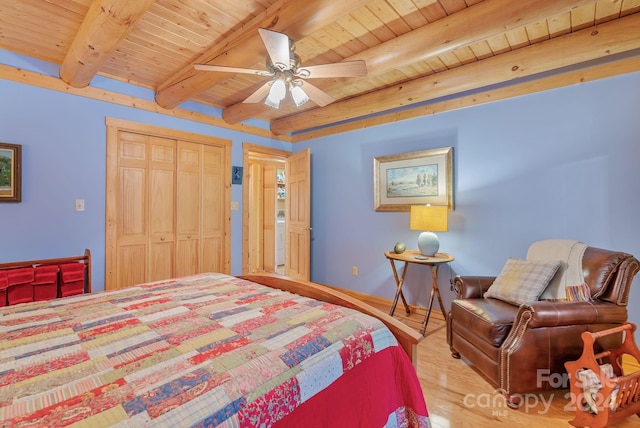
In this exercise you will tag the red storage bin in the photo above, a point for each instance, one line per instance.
(45, 282)
(71, 279)
(4, 283)
(20, 289)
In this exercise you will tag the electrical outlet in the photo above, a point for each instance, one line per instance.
(354, 270)
(234, 206)
(79, 204)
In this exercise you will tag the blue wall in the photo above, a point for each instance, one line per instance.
(559, 164)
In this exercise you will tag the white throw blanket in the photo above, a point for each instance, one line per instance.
(569, 253)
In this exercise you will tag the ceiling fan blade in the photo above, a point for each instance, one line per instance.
(225, 69)
(278, 48)
(260, 94)
(317, 95)
(338, 69)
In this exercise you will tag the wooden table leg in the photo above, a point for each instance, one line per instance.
(434, 290)
(399, 284)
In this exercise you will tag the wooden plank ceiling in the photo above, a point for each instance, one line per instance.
(416, 51)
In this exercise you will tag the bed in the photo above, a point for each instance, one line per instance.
(208, 350)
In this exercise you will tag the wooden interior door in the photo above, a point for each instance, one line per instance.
(252, 218)
(269, 217)
(298, 216)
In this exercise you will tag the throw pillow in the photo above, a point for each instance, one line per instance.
(522, 281)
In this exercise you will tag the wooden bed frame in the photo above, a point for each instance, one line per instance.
(407, 337)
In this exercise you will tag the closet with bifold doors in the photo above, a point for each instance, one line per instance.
(168, 204)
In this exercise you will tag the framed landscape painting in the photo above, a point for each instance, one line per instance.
(10, 172)
(415, 178)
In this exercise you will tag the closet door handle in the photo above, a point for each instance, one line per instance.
(162, 238)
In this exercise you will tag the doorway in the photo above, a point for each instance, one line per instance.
(276, 223)
(264, 219)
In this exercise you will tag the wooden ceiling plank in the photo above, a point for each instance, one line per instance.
(614, 37)
(606, 10)
(357, 30)
(583, 17)
(537, 31)
(465, 55)
(107, 22)
(77, 7)
(39, 51)
(629, 7)
(34, 41)
(432, 10)
(485, 20)
(385, 13)
(336, 39)
(453, 6)
(559, 25)
(172, 30)
(481, 50)
(409, 13)
(371, 22)
(518, 38)
(296, 18)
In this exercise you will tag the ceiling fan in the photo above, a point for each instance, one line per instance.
(283, 66)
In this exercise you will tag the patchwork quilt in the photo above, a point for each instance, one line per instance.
(205, 350)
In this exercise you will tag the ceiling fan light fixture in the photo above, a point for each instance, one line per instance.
(276, 93)
(299, 96)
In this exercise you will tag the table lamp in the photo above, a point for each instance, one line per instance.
(429, 219)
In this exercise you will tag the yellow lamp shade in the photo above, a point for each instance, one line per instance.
(428, 217)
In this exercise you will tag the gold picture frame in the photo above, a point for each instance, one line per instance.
(415, 178)
(10, 172)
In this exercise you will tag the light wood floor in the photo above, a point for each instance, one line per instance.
(457, 396)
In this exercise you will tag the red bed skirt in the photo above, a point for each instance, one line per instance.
(387, 403)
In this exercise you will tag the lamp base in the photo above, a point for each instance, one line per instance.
(428, 243)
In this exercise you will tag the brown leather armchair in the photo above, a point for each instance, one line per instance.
(522, 349)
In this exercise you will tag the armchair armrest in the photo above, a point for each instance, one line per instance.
(553, 314)
(471, 287)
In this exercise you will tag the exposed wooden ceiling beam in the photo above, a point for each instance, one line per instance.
(482, 21)
(106, 23)
(296, 18)
(615, 37)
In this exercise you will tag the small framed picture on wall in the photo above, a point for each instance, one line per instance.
(10, 172)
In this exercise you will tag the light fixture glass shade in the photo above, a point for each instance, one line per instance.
(299, 96)
(276, 93)
(429, 219)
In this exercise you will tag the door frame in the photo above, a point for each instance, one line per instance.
(252, 152)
